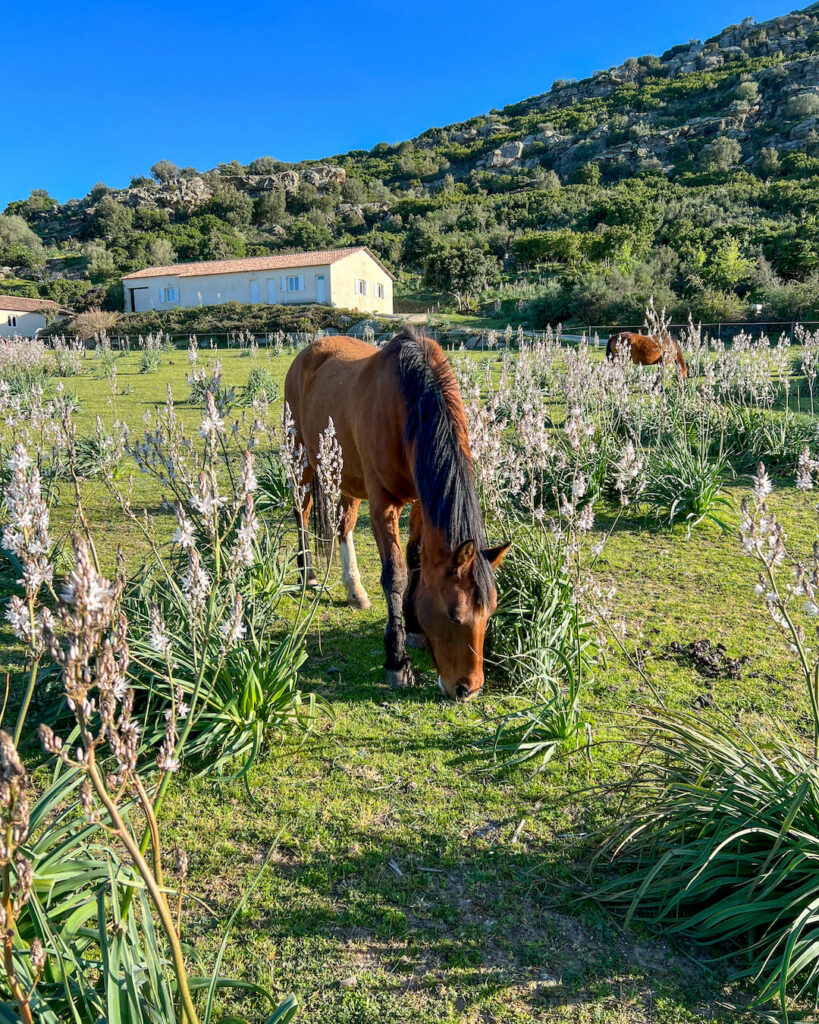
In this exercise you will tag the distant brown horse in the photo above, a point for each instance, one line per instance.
(400, 421)
(644, 350)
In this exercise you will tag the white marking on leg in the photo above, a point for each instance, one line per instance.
(356, 594)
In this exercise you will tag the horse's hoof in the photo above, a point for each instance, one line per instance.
(359, 601)
(311, 581)
(416, 640)
(400, 678)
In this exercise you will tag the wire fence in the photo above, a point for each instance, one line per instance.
(457, 337)
(716, 330)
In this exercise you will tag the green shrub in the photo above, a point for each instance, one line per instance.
(720, 844)
(150, 360)
(539, 639)
(684, 485)
(259, 382)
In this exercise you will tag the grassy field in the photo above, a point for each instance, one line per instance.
(408, 882)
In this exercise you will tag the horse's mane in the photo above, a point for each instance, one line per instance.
(436, 430)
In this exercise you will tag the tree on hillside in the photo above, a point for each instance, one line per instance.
(161, 252)
(728, 267)
(804, 104)
(100, 262)
(767, 163)
(461, 270)
(232, 168)
(112, 220)
(164, 170)
(229, 204)
(561, 246)
(264, 165)
(38, 202)
(721, 154)
(354, 191)
(15, 231)
(268, 209)
(588, 174)
(19, 245)
(304, 234)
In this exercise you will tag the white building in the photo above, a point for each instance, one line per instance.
(25, 317)
(350, 278)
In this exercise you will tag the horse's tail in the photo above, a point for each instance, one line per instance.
(610, 347)
(678, 357)
(322, 524)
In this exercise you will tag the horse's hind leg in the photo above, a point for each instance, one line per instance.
(356, 594)
(305, 557)
(384, 515)
(415, 635)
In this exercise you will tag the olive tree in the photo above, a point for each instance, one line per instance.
(164, 170)
(462, 270)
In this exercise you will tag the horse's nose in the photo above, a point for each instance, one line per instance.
(463, 692)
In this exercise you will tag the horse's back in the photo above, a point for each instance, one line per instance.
(337, 357)
(645, 350)
(348, 381)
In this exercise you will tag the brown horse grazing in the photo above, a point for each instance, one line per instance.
(644, 350)
(400, 421)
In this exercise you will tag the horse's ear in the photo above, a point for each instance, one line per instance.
(464, 555)
(496, 555)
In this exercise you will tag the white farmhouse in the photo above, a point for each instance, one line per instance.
(350, 278)
(23, 318)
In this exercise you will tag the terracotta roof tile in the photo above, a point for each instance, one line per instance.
(18, 304)
(284, 261)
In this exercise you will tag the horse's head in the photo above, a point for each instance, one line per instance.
(455, 597)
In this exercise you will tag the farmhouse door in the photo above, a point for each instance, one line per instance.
(140, 300)
(320, 288)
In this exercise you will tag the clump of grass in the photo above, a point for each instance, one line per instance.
(754, 434)
(684, 485)
(722, 842)
(273, 495)
(722, 846)
(150, 360)
(545, 646)
(260, 382)
(202, 381)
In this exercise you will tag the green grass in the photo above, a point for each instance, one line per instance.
(402, 866)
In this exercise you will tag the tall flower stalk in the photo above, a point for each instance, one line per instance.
(26, 535)
(763, 538)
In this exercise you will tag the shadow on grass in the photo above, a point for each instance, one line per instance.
(486, 918)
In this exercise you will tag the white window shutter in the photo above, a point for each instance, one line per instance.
(301, 282)
(366, 287)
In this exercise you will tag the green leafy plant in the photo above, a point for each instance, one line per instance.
(545, 645)
(719, 842)
(150, 360)
(260, 382)
(777, 438)
(684, 485)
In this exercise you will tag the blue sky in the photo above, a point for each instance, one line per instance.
(100, 91)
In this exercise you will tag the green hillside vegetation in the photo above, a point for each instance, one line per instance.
(693, 176)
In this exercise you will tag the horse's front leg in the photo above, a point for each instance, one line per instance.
(384, 514)
(415, 635)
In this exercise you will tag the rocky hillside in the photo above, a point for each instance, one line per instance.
(693, 175)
